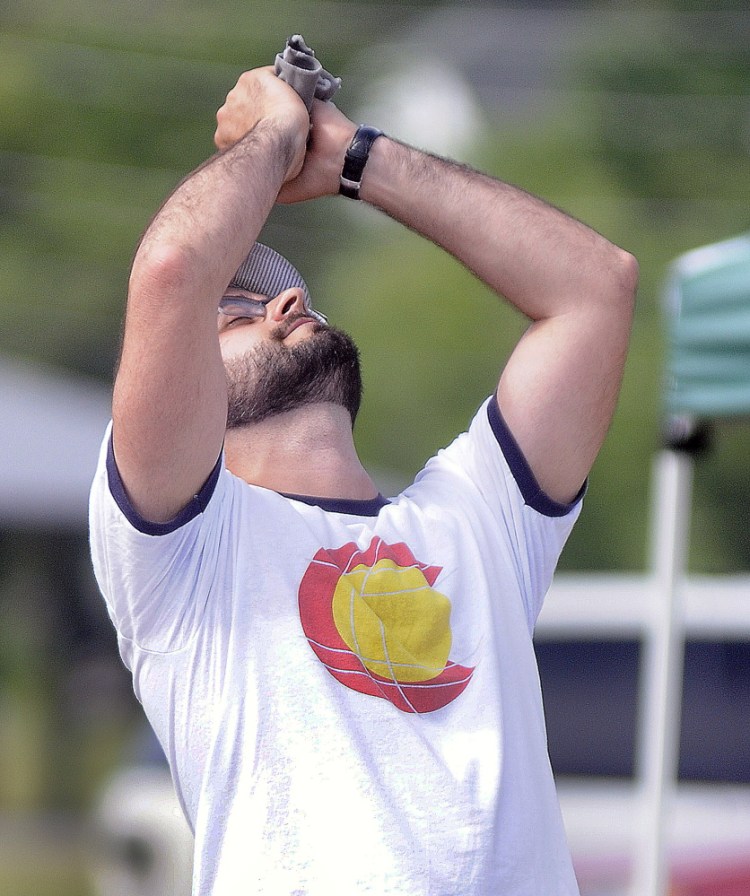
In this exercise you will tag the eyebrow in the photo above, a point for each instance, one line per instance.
(254, 296)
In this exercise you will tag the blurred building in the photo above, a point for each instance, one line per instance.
(65, 700)
(53, 425)
(591, 645)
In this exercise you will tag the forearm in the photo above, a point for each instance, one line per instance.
(206, 226)
(539, 258)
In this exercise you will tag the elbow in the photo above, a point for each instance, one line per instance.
(157, 272)
(614, 286)
(625, 275)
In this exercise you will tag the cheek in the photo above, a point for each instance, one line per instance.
(238, 341)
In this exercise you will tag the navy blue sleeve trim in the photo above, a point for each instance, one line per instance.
(195, 506)
(519, 467)
(367, 507)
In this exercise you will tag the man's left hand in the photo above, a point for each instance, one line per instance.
(331, 133)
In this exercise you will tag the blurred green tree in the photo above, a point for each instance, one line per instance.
(670, 125)
(104, 111)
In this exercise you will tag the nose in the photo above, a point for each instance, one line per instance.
(290, 301)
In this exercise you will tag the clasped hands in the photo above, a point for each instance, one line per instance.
(318, 141)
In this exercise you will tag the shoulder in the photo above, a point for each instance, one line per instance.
(487, 459)
(108, 494)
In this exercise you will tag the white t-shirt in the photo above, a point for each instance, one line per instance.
(346, 691)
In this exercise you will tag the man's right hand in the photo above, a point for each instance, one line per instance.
(260, 95)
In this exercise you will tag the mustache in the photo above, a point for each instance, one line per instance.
(280, 333)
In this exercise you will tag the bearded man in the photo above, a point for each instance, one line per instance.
(344, 684)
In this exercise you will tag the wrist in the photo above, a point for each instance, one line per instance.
(286, 141)
(390, 176)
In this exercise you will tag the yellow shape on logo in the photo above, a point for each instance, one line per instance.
(393, 621)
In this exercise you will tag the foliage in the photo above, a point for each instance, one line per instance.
(669, 127)
(101, 118)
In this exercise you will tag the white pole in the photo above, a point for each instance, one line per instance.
(662, 673)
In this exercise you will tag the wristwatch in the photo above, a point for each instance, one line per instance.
(355, 160)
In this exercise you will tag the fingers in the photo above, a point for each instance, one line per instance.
(258, 94)
(321, 137)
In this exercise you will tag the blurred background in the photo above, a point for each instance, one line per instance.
(634, 117)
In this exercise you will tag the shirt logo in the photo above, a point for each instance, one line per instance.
(375, 621)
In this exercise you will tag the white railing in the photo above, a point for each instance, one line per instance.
(662, 608)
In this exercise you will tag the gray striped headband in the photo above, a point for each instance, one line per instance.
(267, 273)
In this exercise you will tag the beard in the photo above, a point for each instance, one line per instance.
(273, 378)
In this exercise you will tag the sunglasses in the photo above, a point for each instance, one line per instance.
(256, 309)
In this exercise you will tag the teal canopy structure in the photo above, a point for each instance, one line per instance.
(708, 377)
(708, 329)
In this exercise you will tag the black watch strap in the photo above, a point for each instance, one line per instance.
(355, 160)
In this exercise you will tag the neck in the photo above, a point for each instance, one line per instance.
(307, 451)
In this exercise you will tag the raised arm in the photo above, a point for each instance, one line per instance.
(169, 406)
(559, 388)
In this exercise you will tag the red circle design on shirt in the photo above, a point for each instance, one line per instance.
(407, 686)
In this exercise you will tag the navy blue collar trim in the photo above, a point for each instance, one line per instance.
(368, 507)
(197, 505)
(525, 479)
(519, 467)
